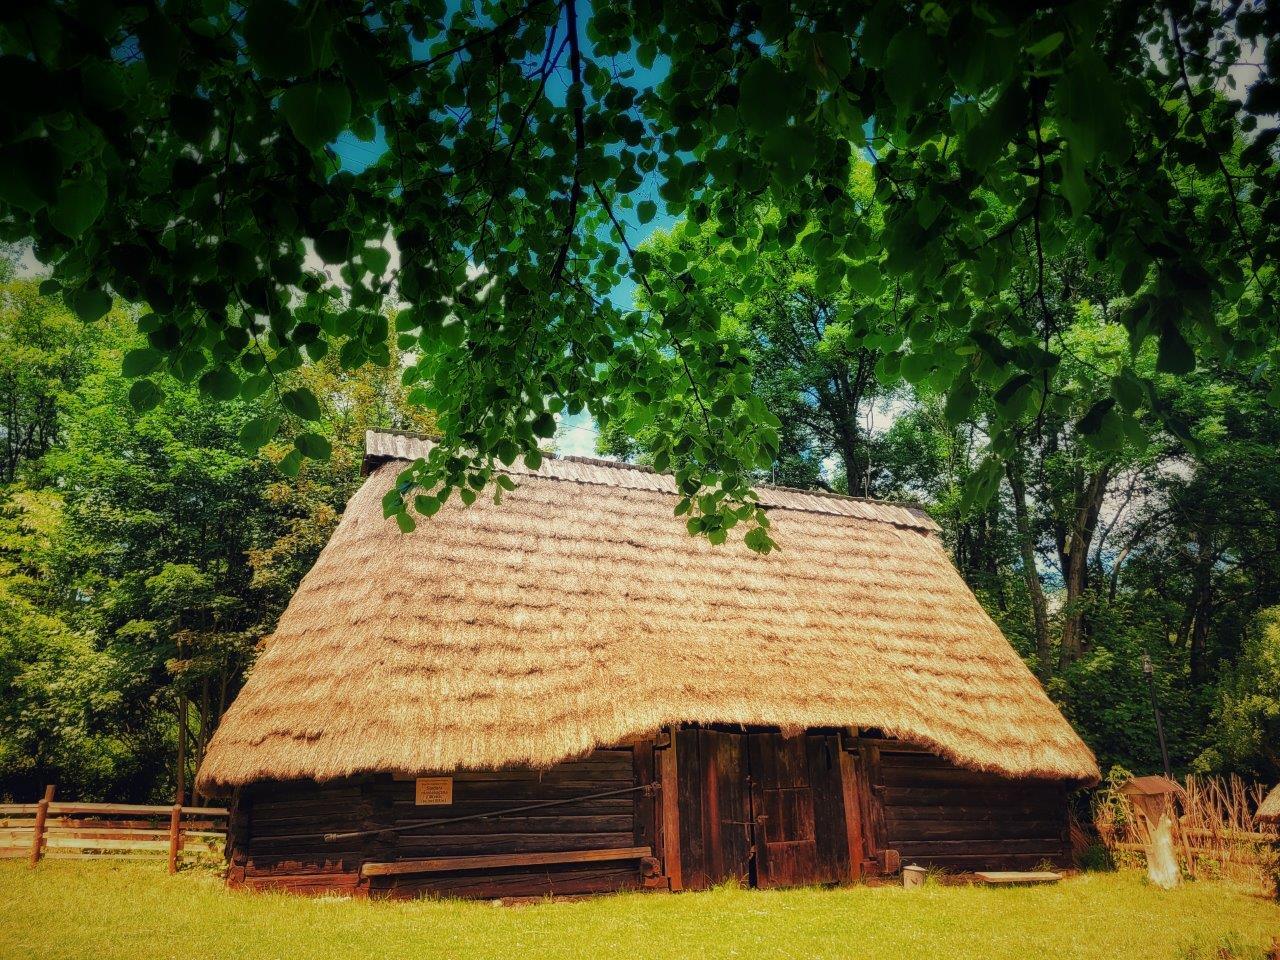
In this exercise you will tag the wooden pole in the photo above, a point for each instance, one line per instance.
(670, 807)
(37, 834)
(175, 836)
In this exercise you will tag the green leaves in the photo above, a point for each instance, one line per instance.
(29, 173)
(334, 246)
(1093, 419)
(516, 229)
(301, 402)
(911, 68)
(144, 395)
(1175, 354)
(140, 362)
(766, 98)
(313, 446)
(221, 383)
(88, 303)
(79, 205)
(258, 432)
(1091, 108)
(867, 278)
(283, 41)
(544, 425)
(983, 483)
(316, 112)
(1128, 390)
(1074, 187)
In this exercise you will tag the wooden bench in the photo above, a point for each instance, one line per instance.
(497, 861)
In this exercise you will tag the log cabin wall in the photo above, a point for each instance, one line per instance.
(276, 839)
(748, 804)
(924, 809)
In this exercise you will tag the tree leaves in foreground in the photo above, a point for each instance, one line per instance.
(181, 156)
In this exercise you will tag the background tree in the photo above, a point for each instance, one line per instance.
(143, 557)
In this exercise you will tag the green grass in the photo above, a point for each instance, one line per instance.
(136, 911)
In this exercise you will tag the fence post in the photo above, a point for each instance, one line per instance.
(175, 836)
(37, 834)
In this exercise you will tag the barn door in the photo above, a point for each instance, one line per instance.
(801, 835)
(715, 819)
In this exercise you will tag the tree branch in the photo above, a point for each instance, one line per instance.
(579, 141)
(501, 27)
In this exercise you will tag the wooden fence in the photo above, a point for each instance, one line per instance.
(1215, 830)
(76, 831)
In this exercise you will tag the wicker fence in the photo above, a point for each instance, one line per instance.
(1215, 831)
(76, 831)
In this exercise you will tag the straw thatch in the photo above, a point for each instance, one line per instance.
(1269, 809)
(579, 612)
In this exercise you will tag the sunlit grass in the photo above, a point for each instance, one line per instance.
(135, 911)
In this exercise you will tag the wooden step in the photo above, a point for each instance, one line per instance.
(1003, 877)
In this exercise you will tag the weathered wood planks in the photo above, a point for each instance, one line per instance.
(937, 814)
(398, 849)
(497, 861)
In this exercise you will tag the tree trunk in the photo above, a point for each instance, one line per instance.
(180, 778)
(1199, 609)
(1076, 569)
(1030, 572)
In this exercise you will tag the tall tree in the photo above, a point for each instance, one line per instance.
(143, 557)
(44, 353)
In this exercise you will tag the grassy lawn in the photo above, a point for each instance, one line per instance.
(136, 911)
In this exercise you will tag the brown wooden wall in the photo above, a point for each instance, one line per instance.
(277, 831)
(933, 813)
(748, 804)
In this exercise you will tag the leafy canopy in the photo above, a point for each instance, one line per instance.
(180, 155)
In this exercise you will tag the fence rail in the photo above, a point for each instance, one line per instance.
(77, 831)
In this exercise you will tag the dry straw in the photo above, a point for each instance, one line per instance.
(1269, 809)
(579, 612)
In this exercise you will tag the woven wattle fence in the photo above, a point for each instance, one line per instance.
(77, 831)
(1216, 830)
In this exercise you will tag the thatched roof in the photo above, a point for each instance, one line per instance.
(1269, 810)
(580, 612)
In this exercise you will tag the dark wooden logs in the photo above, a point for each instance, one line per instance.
(352, 834)
(703, 804)
(937, 814)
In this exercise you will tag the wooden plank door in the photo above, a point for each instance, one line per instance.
(798, 802)
(726, 810)
(715, 821)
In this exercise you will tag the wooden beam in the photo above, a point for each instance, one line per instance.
(670, 813)
(125, 809)
(850, 784)
(497, 861)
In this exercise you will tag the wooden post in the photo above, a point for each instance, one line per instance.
(37, 834)
(175, 836)
(670, 801)
(850, 785)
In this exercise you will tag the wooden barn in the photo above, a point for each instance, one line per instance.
(567, 694)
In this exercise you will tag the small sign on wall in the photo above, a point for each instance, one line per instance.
(433, 791)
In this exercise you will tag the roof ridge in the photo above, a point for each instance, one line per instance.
(908, 505)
